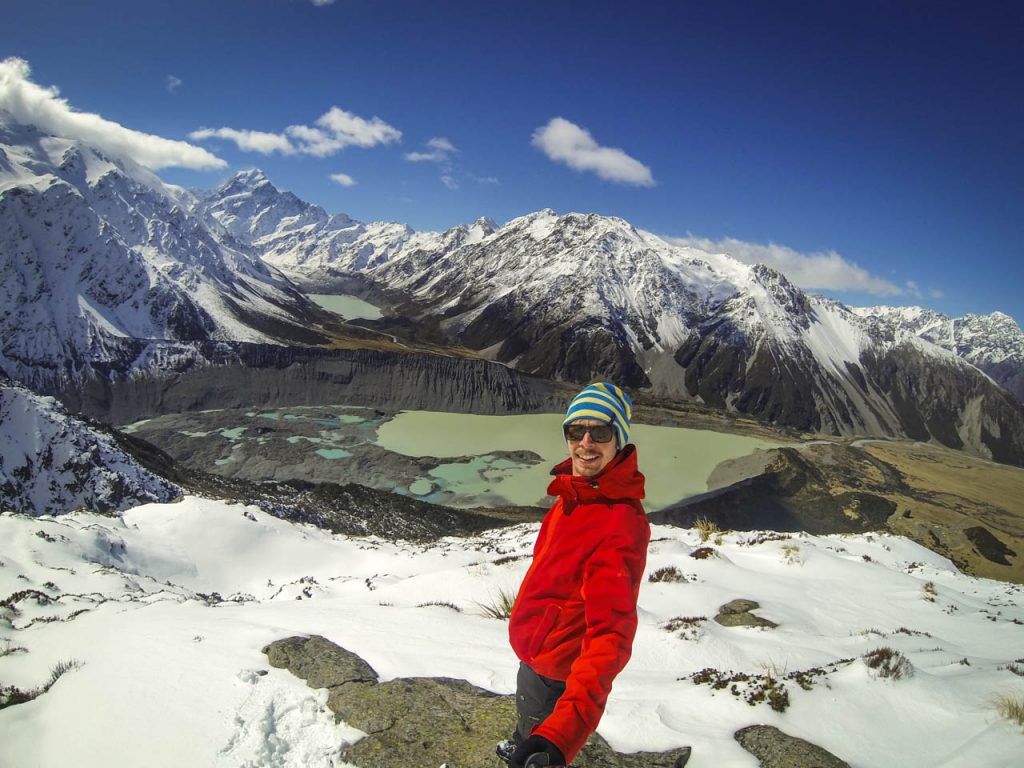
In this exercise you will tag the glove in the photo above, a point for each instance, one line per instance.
(536, 751)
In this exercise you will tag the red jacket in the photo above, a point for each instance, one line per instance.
(575, 615)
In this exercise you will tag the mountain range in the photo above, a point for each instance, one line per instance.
(96, 252)
(578, 296)
(112, 273)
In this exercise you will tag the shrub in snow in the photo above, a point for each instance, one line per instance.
(11, 694)
(668, 574)
(689, 626)
(791, 554)
(887, 662)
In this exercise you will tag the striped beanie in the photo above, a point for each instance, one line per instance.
(603, 402)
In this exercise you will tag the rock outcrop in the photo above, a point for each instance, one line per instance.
(775, 749)
(425, 722)
(739, 613)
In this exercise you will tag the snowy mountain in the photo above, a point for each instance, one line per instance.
(95, 251)
(993, 343)
(317, 250)
(577, 297)
(877, 650)
(53, 463)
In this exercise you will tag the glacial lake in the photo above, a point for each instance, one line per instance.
(675, 461)
(459, 460)
(349, 307)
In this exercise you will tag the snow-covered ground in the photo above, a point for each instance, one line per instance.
(167, 673)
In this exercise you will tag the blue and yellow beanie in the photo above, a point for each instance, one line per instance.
(603, 402)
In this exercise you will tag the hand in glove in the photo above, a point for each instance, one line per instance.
(540, 749)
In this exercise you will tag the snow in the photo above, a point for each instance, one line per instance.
(170, 677)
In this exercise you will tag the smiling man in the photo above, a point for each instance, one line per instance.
(574, 618)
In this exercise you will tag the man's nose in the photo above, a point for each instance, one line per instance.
(587, 440)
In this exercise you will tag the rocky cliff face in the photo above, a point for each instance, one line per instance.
(206, 375)
(993, 343)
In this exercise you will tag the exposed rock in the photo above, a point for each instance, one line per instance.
(737, 613)
(988, 545)
(424, 722)
(151, 379)
(775, 749)
(822, 489)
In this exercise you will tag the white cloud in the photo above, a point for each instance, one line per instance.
(331, 133)
(320, 3)
(486, 180)
(42, 107)
(814, 271)
(344, 179)
(249, 141)
(173, 83)
(450, 181)
(313, 141)
(352, 129)
(567, 143)
(441, 151)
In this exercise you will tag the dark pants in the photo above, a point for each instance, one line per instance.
(536, 696)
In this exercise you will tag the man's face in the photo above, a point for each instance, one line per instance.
(589, 457)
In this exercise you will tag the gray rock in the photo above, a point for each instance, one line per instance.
(737, 613)
(412, 722)
(775, 749)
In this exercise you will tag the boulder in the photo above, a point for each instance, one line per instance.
(737, 613)
(775, 749)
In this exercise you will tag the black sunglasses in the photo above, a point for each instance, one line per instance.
(601, 433)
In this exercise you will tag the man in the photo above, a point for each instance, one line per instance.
(574, 618)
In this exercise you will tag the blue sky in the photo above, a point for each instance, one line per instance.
(874, 151)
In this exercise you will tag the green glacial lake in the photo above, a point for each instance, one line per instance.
(447, 458)
(348, 307)
(675, 461)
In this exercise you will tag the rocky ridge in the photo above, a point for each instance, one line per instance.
(993, 343)
(52, 462)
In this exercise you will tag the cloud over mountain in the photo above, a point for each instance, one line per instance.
(33, 104)
(332, 132)
(820, 271)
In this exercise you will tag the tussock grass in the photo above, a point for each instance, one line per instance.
(1010, 707)
(500, 606)
(706, 528)
(791, 554)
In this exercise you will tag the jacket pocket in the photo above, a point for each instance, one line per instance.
(545, 624)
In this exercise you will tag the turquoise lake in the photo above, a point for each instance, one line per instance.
(675, 461)
(349, 307)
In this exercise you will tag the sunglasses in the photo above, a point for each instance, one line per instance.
(601, 433)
